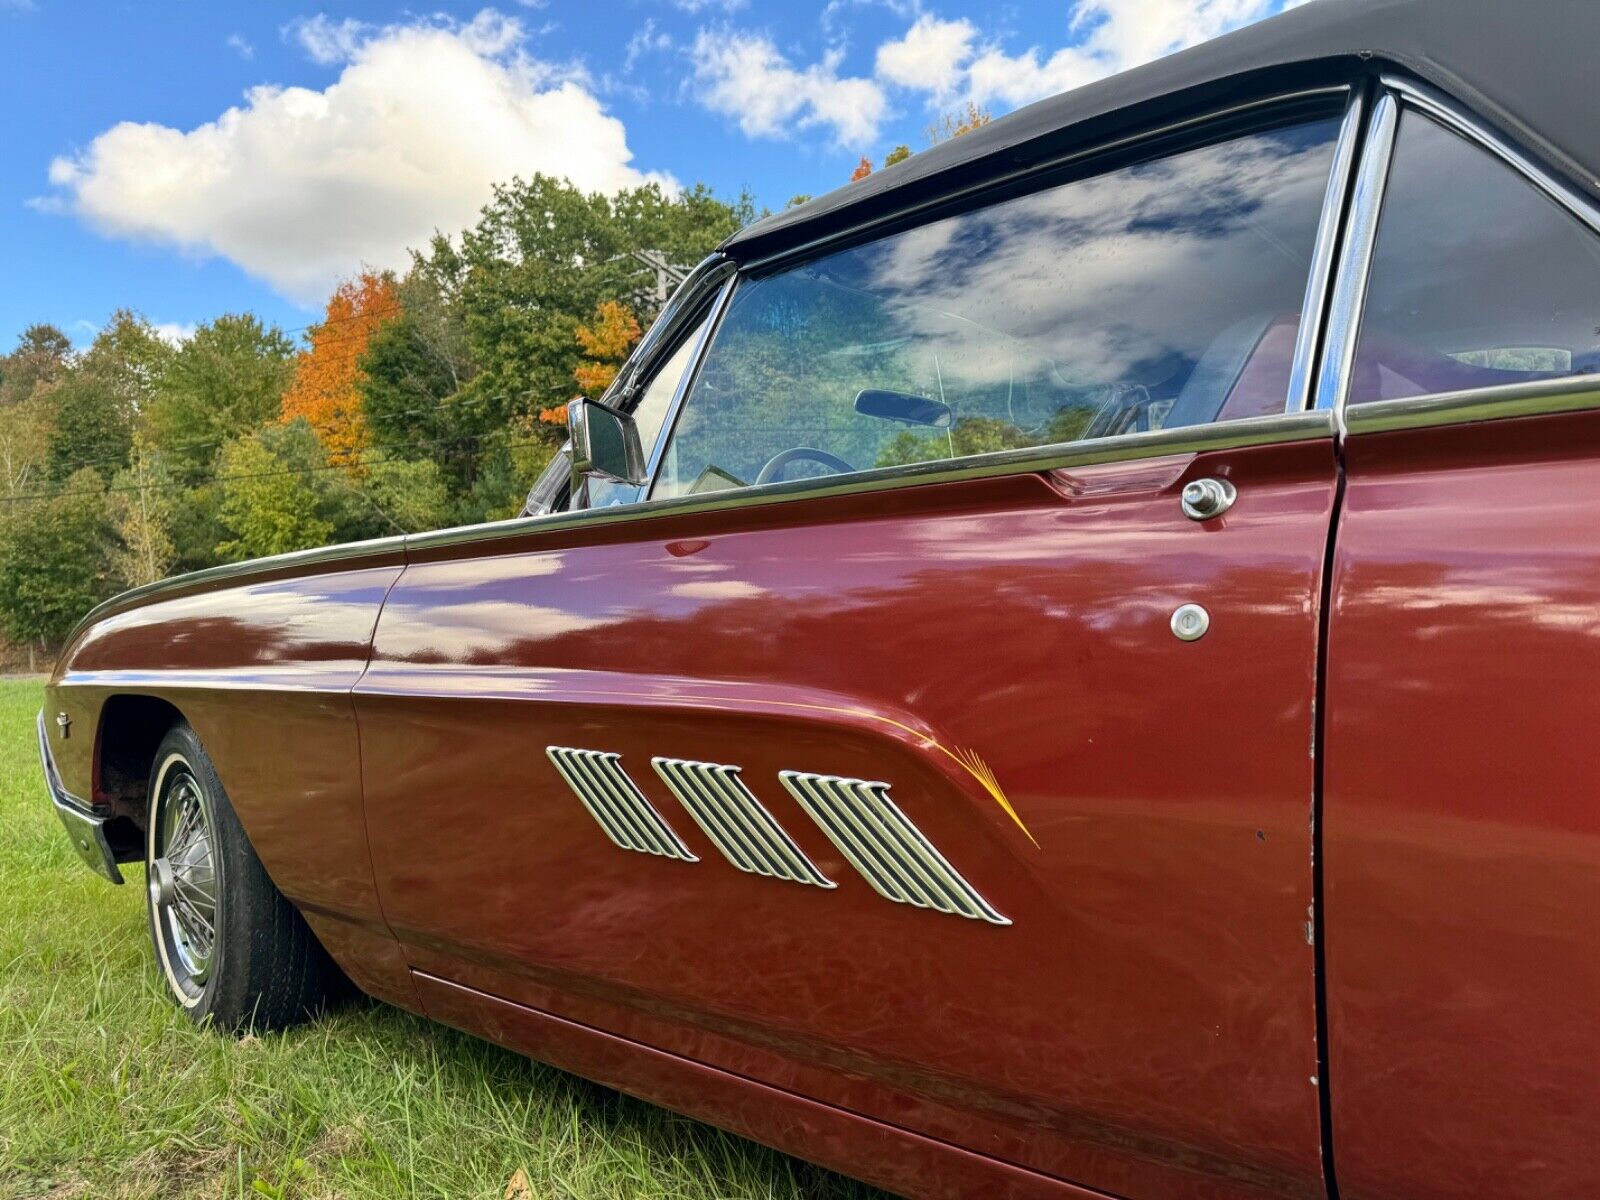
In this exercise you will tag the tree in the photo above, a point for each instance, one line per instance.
(326, 390)
(132, 357)
(139, 506)
(270, 502)
(42, 354)
(93, 424)
(224, 382)
(54, 557)
(797, 200)
(607, 340)
(863, 169)
(954, 124)
(898, 155)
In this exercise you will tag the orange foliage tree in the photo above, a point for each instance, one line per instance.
(863, 169)
(326, 389)
(606, 341)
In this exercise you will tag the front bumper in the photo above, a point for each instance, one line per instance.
(85, 828)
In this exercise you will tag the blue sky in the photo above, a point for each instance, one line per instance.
(186, 159)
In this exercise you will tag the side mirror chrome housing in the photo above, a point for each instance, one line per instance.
(605, 445)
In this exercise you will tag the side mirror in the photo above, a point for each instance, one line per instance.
(905, 407)
(605, 445)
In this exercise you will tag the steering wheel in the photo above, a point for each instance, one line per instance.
(775, 465)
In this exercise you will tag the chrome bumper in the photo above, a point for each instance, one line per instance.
(85, 829)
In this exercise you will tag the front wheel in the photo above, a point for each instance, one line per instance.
(232, 950)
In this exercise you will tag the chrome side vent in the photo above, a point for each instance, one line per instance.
(735, 821)
(616, 803)
(881, 842)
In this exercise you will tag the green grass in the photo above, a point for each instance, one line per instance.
(106, 1091)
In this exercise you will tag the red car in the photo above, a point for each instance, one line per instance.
(1070, 667)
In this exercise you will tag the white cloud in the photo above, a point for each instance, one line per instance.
(240, 46)
(646, 40)
(328, 42)
(700, 6)
(932, 55)
(174, 333)
(301, 187)
(743, 76)
(1110, 36)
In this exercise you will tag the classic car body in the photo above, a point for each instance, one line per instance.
(1198, 807)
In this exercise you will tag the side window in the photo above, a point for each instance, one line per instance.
(649, 414)
(1478, 279)
(1162, 294)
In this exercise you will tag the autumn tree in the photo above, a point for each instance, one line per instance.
(606, 341)
(863, 169)
(326, 390)
(954, 124)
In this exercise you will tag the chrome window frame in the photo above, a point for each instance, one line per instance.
(1529, 398)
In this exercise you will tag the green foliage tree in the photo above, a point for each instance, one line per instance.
(225, 381)
(42, 354)
(139, 505)
(270, 503)
(898, 155)
(93, 424)
(54, 560)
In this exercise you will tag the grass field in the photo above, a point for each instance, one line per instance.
(106, 1091)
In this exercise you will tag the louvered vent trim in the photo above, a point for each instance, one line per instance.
(881, 842)
(616, 803)
(745, 832)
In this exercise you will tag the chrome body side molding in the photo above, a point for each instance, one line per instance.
(616, 803)
(880, 842)
(747, 834)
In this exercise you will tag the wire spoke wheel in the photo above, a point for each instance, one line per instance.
(184, 881)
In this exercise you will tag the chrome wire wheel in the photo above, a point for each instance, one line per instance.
(184, 880)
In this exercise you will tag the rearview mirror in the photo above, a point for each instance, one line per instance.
(605, 445)
(905, 407)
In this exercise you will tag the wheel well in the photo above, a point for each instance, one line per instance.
(131, 729)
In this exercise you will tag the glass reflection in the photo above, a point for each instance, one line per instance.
(1163, 294)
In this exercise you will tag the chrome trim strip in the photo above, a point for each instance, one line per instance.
(1195, 439)
(294, 560)
(691, 375)
(1319, 280)
(738, 825)
(1534, 398)
(86, 830)
(1350, 290)
(1457, 119)
(883, 844)
(954, 198)
(616, 803)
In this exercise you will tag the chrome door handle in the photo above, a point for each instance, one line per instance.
(1204, 499)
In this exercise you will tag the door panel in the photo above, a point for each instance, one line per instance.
(1462, 833)
(998, 654)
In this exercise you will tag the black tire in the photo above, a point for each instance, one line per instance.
(261, 968)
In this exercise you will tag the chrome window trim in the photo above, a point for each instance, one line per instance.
(1315, 308)
(1537, 397)
(1195, 439)
(691, 373)
(1361, 235)
(1524, 399)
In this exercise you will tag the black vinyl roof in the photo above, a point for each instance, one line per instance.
(1527, 67)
